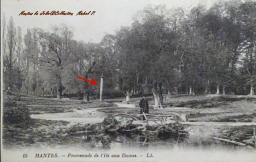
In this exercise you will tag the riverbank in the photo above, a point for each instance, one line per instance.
(209, 118)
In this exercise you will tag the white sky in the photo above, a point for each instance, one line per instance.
(110, 14)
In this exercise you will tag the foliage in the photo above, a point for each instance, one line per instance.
(162, 51)
(15, 113)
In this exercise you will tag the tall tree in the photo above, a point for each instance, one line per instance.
(57, 52)
(143, 48)
(9, 56)
(247, 14)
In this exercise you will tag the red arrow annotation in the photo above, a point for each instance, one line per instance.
(91, 82)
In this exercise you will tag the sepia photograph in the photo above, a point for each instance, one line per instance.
(128, 80)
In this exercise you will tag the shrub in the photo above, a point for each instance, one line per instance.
(109, 93)
(15, 113)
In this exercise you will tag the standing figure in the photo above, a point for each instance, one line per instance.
(144, 107)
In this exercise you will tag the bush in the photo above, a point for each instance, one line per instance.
(109, 93)
(15, 113)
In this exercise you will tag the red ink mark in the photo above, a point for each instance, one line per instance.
(92, 82)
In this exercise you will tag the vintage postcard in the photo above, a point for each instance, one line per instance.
(128, 80)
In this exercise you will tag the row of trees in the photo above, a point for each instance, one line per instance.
(200, 52)
(163, 51)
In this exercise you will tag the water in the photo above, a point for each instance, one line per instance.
(200, 133)
(90, 115)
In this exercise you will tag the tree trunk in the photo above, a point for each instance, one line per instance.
(191, 91)
(43, 91)
(58, 95)
(88, 97)
(168, 96)
(101, 87)
(252, 72)
(218, 89)
(251, 90)
(156, 99)
(34, 80)
(137, 84)
(59, 88)
(176, 91)
(84, 96)
(161, 98)
(224, 90)
(52, 92)
(207, 87)
(127, 99)
(168, 93)
(27, 76)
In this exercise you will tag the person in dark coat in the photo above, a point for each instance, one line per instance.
(144, 106)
